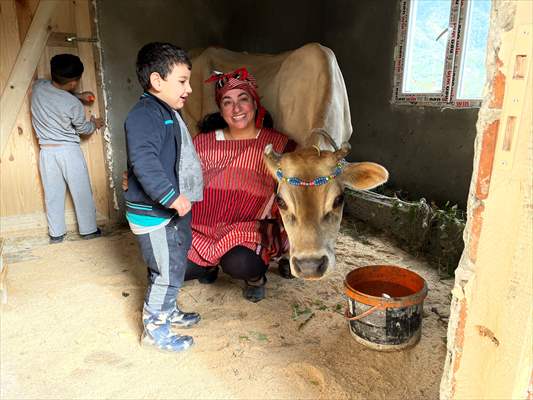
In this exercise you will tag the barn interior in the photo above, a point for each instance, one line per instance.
(70, 318)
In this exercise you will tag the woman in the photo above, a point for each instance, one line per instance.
(233, 226)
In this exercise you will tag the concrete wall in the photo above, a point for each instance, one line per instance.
(126, 25)
(428, 152)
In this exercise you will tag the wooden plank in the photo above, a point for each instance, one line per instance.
(9, 39)
(36, 223)
(25, 11)
(93, 146)
(22, 72)
(19, 176)
(64, 20)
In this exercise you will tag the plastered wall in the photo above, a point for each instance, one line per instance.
(429, 152)
(490, 331)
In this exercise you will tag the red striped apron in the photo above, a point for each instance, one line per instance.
(238, 193)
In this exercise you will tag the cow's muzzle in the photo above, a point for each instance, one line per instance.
(309, 267)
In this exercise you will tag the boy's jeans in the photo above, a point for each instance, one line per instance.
(165, 254)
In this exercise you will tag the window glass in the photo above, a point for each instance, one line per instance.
(473, 70)
(427, 38)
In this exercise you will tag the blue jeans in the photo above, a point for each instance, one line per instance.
(165, 253)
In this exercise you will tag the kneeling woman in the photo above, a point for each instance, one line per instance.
(233, 226)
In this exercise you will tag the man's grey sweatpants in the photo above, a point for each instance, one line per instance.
(61, 166)
(165, 253)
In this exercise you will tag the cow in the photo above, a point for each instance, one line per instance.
(304, 90)
(310, 197)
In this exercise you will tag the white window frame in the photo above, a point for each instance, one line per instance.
(452, 65)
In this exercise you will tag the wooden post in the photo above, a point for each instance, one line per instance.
(22, 72)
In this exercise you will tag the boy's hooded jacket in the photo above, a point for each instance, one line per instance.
(153, 142)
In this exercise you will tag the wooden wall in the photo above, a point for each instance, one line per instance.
(21, 193)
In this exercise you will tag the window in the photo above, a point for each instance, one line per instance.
(440, 56)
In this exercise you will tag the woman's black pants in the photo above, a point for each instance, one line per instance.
(239, 263)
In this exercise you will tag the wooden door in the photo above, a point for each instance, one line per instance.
(21, 196)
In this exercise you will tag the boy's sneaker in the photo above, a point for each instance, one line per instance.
(158, 333)
(180, 319)
(57, 239)
(95, 234)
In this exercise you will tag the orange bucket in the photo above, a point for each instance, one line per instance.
(385, 305)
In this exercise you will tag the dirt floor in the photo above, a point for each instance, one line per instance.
(71, 330)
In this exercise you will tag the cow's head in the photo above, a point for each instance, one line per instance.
(310, 197)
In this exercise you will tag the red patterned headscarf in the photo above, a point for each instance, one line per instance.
(238, 79)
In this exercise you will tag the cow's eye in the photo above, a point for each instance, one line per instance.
(281, 203)
(339, 200)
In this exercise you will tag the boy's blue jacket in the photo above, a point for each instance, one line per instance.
(153, 142)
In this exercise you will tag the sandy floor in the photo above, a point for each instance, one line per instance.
(71, 326)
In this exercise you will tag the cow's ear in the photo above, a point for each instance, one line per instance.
(343, 151)
(363, 175)
(272, 159)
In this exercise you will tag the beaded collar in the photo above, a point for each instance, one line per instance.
(321, 180)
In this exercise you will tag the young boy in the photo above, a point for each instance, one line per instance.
(164, 176)
(58, 118)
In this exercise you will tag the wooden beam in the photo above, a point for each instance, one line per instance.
(22, 72)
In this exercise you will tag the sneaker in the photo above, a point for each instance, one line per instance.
(57, 239)
(95, 234)
(210, 276)
(158, 333)
(180, 319)
(255, 292)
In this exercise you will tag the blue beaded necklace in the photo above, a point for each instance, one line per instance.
(321, 180)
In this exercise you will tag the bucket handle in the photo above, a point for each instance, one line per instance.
(350, 317)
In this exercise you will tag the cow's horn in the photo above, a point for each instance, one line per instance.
(270, 153)
(327, 136)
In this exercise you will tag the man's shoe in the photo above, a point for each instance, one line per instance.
(57, 239)
(255, 291)
(158, 333)
(180, 319)
(210, 277)
(95, 234)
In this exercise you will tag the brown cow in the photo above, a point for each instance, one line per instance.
(310, 196)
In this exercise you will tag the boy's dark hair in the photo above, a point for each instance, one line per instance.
(161, 58)
(214, 121)
(65, 68)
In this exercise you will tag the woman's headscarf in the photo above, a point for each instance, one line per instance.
(238, 79)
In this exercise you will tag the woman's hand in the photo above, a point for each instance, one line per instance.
(125, 181)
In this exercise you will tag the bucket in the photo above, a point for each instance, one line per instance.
(385, 304)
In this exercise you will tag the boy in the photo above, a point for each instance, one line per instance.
(58, 118)
(164, 176)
